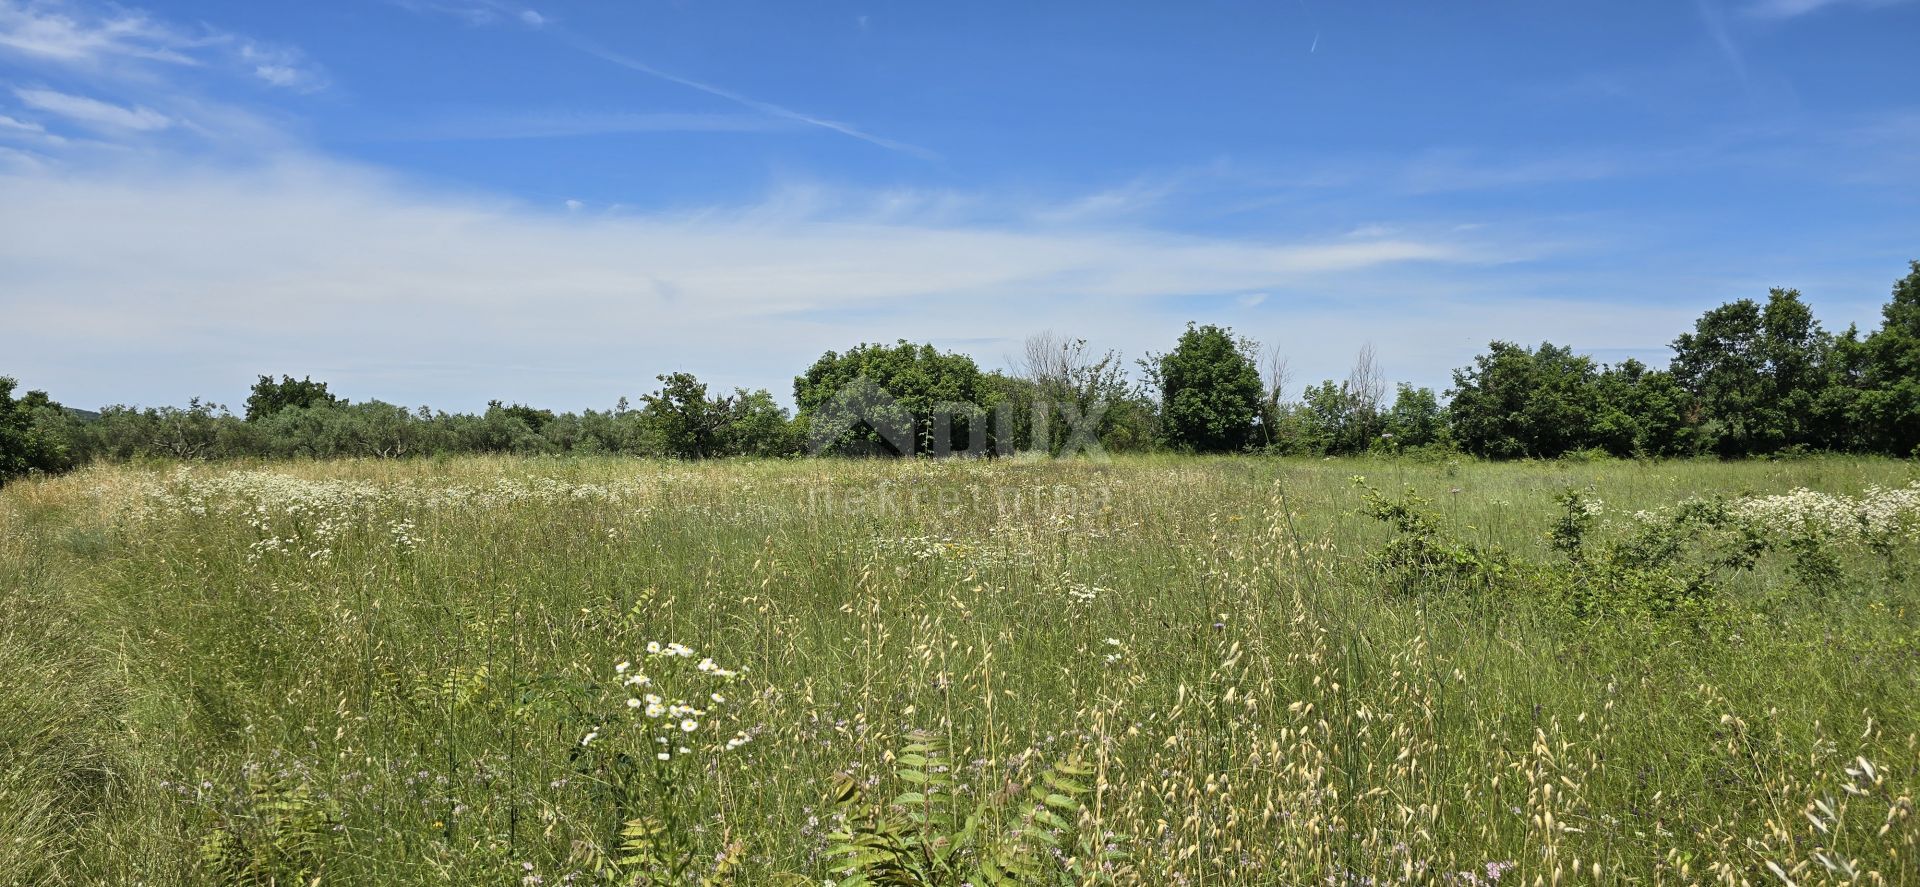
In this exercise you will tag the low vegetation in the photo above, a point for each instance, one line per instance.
(1750, 379)
(1158, 670)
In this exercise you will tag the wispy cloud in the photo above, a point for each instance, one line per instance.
(483, 12)
(633, 64)
(477, 13)
(98, 37)
(1780, 9)
(564, 124)
(53, 31)
(1716, 24)
(224, 262)
(8, 123)
(93, 112)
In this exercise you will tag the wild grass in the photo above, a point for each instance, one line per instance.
(1158, 670)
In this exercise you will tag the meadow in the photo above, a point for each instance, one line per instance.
(1154, 670)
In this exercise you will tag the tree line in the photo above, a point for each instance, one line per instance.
(1751, 378)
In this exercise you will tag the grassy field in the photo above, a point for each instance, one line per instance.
(1157, 670)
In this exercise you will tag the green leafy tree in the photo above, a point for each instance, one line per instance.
(851, 402)
(1516, 402)
(501, 429)
(684, 421)
(269, 397)
(533, 419)
(16, 424)
(756, 425)
(1324, 420)
(1840, 412)
(1642, 412)
(1074, 390)
(1890, 399)
(1756, 372)
(1416, 419)
(37, 434)
(1210, 390)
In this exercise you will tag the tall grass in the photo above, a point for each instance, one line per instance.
(420, 672)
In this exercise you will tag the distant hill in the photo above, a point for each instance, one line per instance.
(83, 415)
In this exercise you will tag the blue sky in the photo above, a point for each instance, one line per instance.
(448, 201)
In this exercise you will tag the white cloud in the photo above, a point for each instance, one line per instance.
(566, 124)
(769, 108)
(331, 265)
(1793, 8)
(476, 13)
(278, 75)
(99, 37)
(486, 12)
(278, 65)
(53, 31)
(94, 111)
(31, 132)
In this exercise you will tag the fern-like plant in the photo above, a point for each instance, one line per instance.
(1033, 833)
(276, 838)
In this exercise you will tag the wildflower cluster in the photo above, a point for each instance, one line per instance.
(1877, 516)
(669, 705)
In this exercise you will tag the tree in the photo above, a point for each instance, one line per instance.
(270, 397)
(1210, 390)
(16, 424)
(1891, 381)
(902, 399)
(1642, 412)
(1756, 373)
(1275, 374)
(1416, 419)
(1366, 391)
(1841, 415)
(1323, 420)
(1071, 387)
(534, 419)
(1520, 403)
(37, 434)
(685, 423)
(757, 426)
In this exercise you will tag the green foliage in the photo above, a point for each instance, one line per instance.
(1749, 379)
(1210, 390)
(1418, 556)
(1415, 421)
(1075, 392)
(533, 419)
(1757, 374)
(757, 426)
(1641, 412)
(1327, 421)
(1890, 402)
(927, 836)
(270, 397)
(276, 835)
(685, 423)
(1668, 573)
(1262, 697)
(851, 402)
(36, 434)
(1516, 402)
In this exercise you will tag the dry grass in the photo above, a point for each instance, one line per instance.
(382, 672)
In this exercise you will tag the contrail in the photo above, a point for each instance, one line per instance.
(633, 64)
